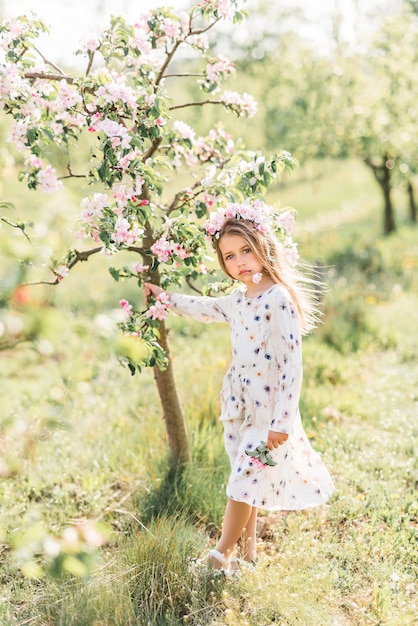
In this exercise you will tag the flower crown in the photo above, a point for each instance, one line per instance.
(263, 216)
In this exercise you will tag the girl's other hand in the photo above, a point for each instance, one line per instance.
(276, 439)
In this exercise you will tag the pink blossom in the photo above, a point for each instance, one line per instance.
(243, 104)
(184, 130)
(159, 310)
(180, 252)
(224, 7)
(90, 44)
(68, 96)
(13, 28)
(35, 162)
(287, 220)
(221, 68)
(141, 41)
(291, 251)
(139, 268)
(126, 307)
(62, 272)
(47, 179)
(11, 82)
(162, 249)
(209, 200)
(117, 91)
(160, 121)
(202, 268)
(170, 28)
(258, 464)
(201, 41)
(118, 133)
(93, 207)
(125, 233)
(57, 128)
(184, 23)
(18, 135)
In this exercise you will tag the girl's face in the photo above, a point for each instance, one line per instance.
(240, 262)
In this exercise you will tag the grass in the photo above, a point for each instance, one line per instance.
(83, 439)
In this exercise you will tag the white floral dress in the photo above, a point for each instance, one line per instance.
(261, 392)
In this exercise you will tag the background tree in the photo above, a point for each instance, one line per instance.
(352, 101)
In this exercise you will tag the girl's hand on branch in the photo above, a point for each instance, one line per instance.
(151, 289)
(276, 439)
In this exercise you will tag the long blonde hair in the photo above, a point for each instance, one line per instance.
(270, 254)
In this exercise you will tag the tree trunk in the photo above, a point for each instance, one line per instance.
(412, 203)
(175, 423)
(389, 218)
(383, 176)
(172, 411)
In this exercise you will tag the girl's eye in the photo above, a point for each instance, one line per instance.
(228, 257)
(247, 250)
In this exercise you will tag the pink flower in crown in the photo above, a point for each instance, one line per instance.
(262, 215)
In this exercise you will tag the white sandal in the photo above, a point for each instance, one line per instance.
(225, 563)
(243, 563)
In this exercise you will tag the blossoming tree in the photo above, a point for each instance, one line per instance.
(120, 105)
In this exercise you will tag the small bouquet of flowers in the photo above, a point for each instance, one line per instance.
(261, 455)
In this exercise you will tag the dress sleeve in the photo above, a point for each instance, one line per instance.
(286, 344)
(203, 308)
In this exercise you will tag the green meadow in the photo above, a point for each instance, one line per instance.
(83, 439)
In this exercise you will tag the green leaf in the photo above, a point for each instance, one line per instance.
(132, 368)
(114, 273)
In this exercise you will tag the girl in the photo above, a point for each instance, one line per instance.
(260, 394)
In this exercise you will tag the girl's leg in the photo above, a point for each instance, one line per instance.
(237, 517)
(249, 537)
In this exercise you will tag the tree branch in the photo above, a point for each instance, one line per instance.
(189, 282)
(194, 104)
(14, 225)
(55, 67)
(167, 62)
(153, 148)
(185, 75)
(36, 75)
(90, 63)
(140, 251)
(79, 257)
